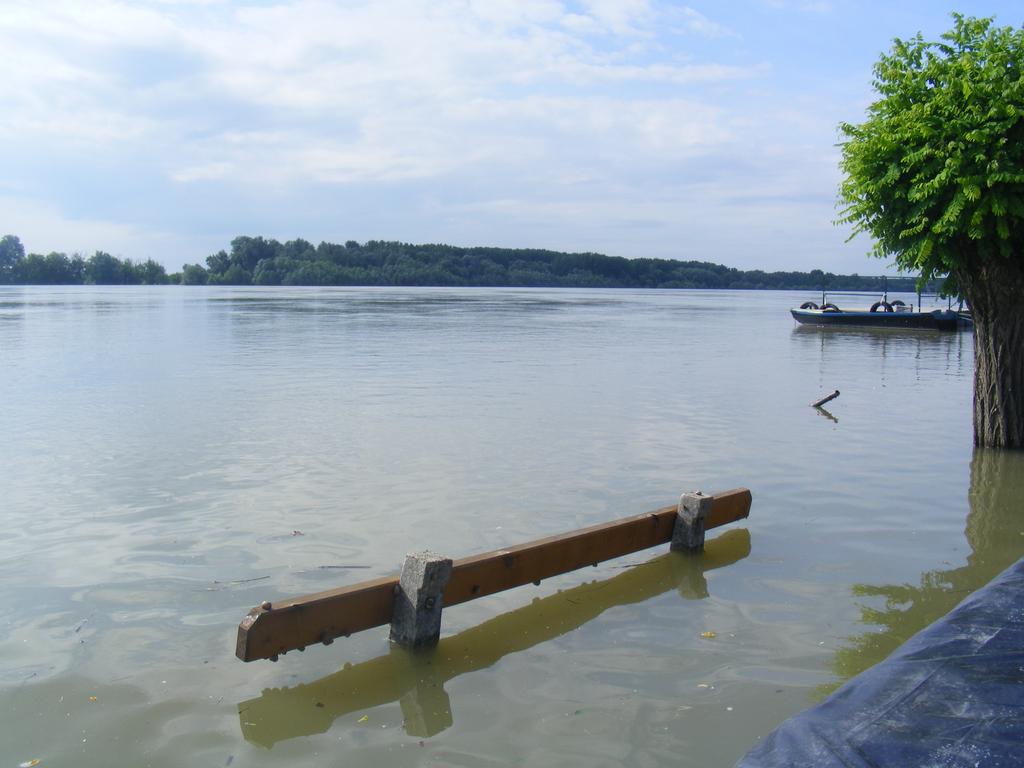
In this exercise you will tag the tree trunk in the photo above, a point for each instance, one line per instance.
(995, 291)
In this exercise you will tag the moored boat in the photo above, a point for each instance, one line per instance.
(882, 314)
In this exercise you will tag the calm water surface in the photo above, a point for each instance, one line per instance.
(173, 456)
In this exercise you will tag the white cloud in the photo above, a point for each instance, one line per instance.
(806, 6)
(355, 93)
(549, 138)
(544, 113)
(510, 14)
(43, 228)
(214, 171)
(73, 39)
(697, 22)
(318, 55)
(620, 17)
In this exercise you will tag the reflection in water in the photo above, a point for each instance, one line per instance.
(995, 524)
(899, 343)
(826, 413)
(417, 301)
(416, 680)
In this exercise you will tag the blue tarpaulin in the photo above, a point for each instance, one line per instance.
(951, 696)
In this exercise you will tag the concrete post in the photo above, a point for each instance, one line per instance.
(416, 621)
(691, 515)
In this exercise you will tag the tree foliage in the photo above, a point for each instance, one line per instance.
(380, 262)
(60, 269)
(193, 274)
(11, 252)
(935, 174)
(260, 261)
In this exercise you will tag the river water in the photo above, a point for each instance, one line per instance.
(173, 456)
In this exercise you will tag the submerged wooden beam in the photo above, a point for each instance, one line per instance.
(309, 708)
(273, 629)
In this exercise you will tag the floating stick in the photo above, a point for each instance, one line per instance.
(825, 399)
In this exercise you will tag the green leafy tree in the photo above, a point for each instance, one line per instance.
(11, 252)
(380, 262)
(247, 252)
(104, 269)
(235, 275)
(31, 270)
(193, 274)
(935, 175)
(217, 263)
(52, 269)
(150, 272)
(298, 249)
(266, 273)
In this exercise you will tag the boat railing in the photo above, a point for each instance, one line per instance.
(898, 285)
(827, 297)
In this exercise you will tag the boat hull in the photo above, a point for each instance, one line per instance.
(937, 320)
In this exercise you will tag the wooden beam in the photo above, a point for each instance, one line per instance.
(273, 629)
(309, 708)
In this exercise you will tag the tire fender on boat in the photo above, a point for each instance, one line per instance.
(808, 305)
(830, 307)
(885, 305)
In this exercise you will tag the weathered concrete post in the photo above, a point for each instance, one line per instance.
(691, 515)
(416, 621)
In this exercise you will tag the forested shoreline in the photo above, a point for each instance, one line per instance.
(260, 261)
(19, 268)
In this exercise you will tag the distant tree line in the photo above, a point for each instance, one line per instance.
(60, 269)
(258, 261)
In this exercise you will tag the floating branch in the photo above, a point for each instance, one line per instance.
(825, 399)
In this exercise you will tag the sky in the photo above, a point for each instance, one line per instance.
(706, 130)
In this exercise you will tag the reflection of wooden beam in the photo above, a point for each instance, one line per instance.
(321, 617)
(279, 714)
